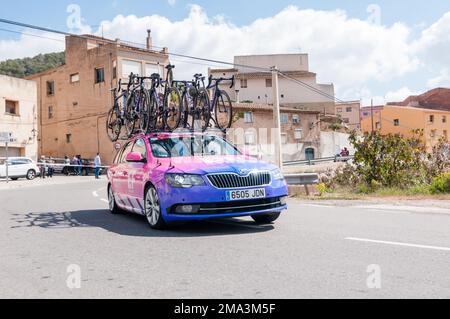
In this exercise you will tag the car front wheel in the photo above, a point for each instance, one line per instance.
(153, 209)
(31, 174)
(266, 218)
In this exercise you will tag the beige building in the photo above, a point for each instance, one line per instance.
(253, 128)
(255, 86)
(73, 99)
(18, 115)
(349, 113)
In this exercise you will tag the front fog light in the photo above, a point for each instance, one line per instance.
(187, 209)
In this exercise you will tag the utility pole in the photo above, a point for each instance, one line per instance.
(371, 115)
(276, 119)
(6, 162)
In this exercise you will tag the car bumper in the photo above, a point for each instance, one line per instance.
(210, 202)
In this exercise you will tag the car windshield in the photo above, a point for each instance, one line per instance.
(187, 146)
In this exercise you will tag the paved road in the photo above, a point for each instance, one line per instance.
(313, 251)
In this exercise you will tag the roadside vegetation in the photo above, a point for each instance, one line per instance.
(21, 68)
(392, 165)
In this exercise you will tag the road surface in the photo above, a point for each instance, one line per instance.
(49, 233)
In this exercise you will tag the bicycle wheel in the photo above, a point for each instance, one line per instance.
(173, 109)
(223, 111)
(202, 115)
(156, 122)
(113, 125)
(130, 115)
(144, 116)
(185, 112)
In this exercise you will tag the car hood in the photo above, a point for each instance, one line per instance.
(217, 164)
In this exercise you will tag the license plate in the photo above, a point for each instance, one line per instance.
(246, 194)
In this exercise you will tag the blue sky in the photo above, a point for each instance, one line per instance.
(240, 12)
(397, 57)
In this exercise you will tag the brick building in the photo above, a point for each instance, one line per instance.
(256, 87)
(73, 99)
(18, 115)
(349, 113)
(300, 131)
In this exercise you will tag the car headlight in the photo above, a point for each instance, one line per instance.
(277, 174)
(184, 180)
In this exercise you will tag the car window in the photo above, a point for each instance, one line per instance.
(191, 146)
(140, 148)
(127, 149)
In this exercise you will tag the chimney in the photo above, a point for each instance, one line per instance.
(149, 39)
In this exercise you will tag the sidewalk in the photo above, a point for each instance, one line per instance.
(56, 180)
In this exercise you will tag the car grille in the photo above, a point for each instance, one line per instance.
(247, 206)
(231, 180)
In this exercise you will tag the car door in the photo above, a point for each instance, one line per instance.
(14, 168)
(121, 173)
(2, 168)
(136, 176)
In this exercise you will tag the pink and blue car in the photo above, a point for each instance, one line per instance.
(176, 177)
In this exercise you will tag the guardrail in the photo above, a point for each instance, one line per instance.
(319, 160)
(305, 179)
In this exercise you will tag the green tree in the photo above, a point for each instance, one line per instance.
(390, 160)
(28, 66)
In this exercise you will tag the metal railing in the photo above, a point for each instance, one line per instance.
(334, 159)
(305, 179)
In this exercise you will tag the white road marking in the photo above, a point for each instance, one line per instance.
(398, 243)
(404, 208)
(95, 194)
(104, 200)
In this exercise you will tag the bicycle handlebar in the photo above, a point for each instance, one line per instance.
(218, 80)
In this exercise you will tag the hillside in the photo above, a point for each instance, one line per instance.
(24, 67)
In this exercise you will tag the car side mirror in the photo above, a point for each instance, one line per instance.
(135, 157)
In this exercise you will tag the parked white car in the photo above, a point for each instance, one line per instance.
(19, 167)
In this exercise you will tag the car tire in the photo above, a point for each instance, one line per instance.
(113, 208)
(31, 174)
(266, 218)
(152, 209)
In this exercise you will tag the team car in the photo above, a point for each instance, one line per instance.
(178, 177)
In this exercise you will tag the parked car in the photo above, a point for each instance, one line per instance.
(19, 167)
(173, 177)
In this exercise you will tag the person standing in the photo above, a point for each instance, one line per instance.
(51, 168)
(75, 165)
(97, 165)
(80, 165)
(42, 167)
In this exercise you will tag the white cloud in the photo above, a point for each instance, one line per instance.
(348, 52)
(345, 51)
(172, 2)
(399, 95)
(442, 80)
(30, 44)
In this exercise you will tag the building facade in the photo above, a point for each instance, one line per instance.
(349, 113)
(373, 114)
(253, 128)
(73, 99)
(255, 86)
(18, 115)
(404, 120)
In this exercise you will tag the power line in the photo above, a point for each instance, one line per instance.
(31, 35)
(262, 69)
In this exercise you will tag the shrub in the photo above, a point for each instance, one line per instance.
(441, 184)
(388, 161)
